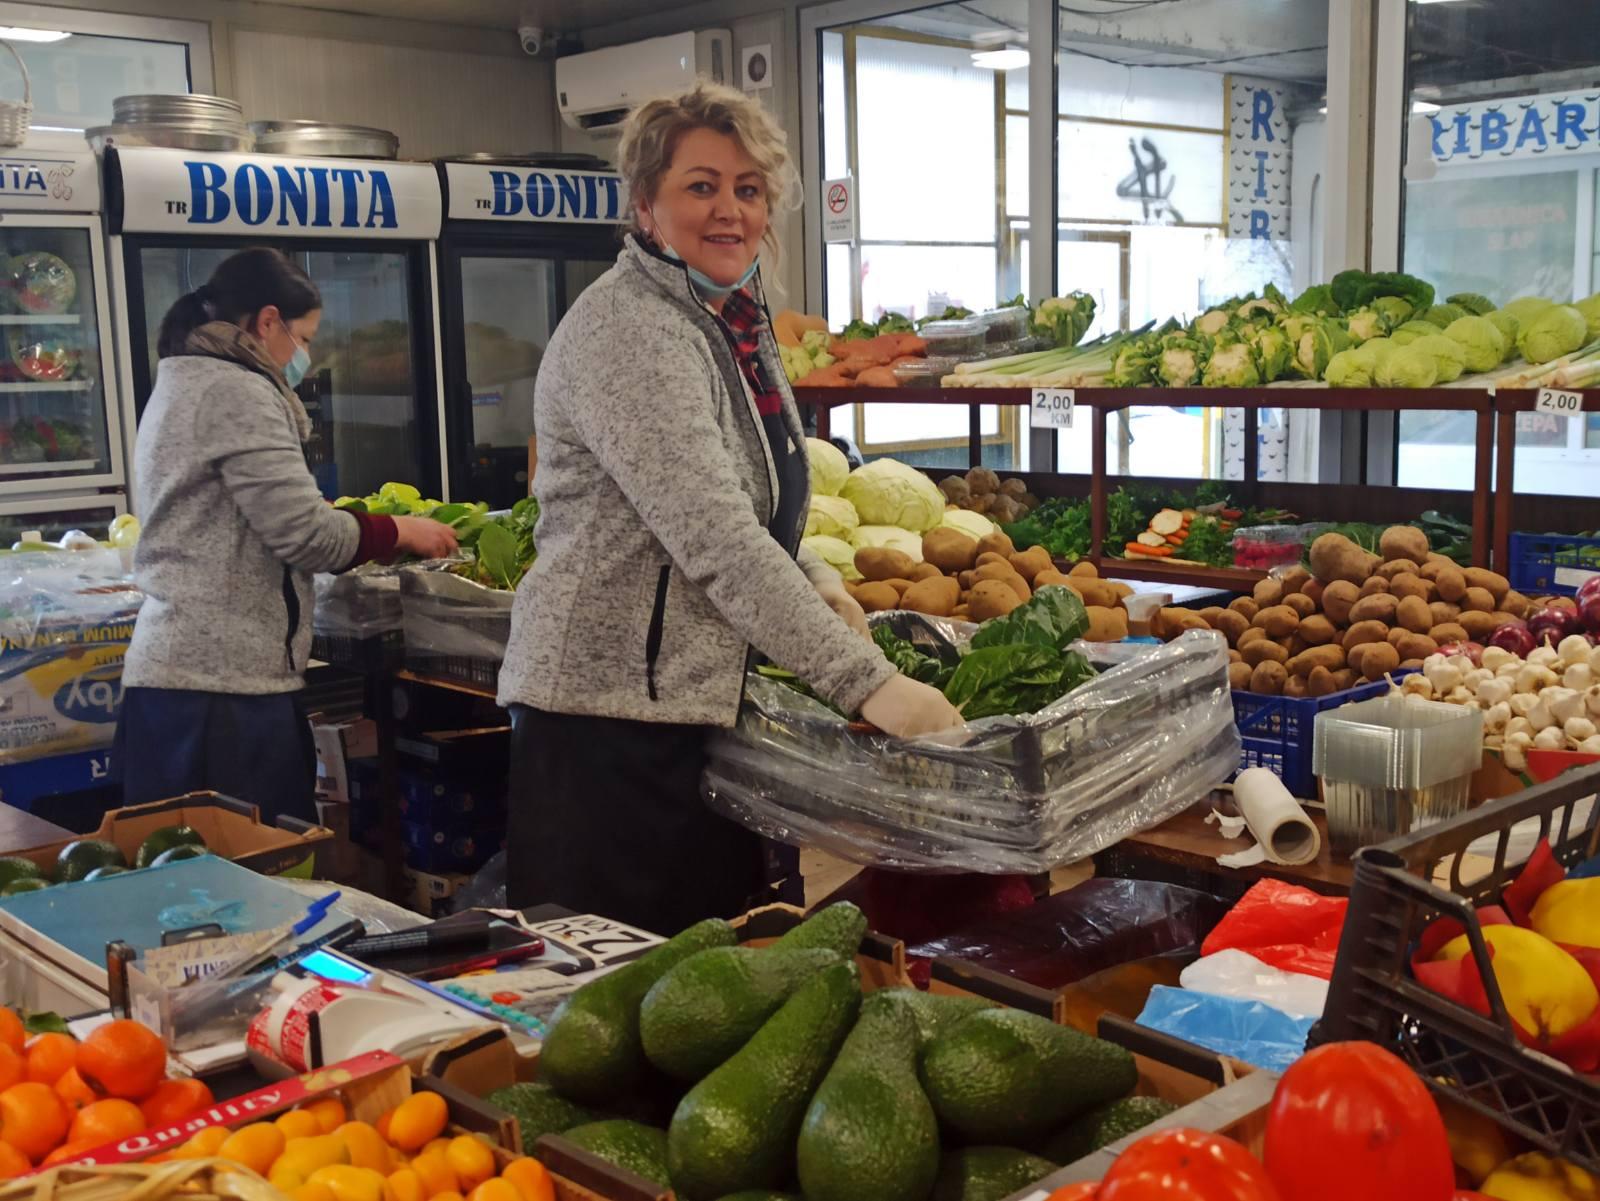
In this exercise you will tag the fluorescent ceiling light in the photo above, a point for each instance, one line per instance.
(20, 33)
(1437, 1)
(1001, 60)
(1424, 106)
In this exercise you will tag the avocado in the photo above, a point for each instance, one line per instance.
(870, 1131)
(987, 1174)
(839, 928)
(165, 839)
(539, 1110)
(184, 850)
(736, 1129)
(640, 1149)
(935, 1013)
(15, 867)
(110, 869)
(1103, 1126)
(591, 1052)
(1006, 1077)
(78, 859)
(712, 1003)
(24, 884)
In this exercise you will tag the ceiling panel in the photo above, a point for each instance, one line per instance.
(564, 16)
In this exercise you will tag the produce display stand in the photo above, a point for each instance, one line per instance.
(1532, 510)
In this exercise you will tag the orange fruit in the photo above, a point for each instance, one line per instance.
(74, 1093)
(435, 1172)
(255, 1146)
(438, 1146)
(13, 1033)
(403, 1185)
(382, 1124)
(66, 1153)
(418, 1120)
(448, 1195)
(532, 1179)
(50, 1056)
(366, 1146)
(495, 1189)
(12, 1162)
(13, 1066)
(173, 1101)
(32, 1118)
(204, 1144)
(471, 1160)
(106, 1122)
(313, 1190)
(123, 1059)
(329, 1112)
(299, 1123)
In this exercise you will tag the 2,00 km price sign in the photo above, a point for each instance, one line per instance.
(1052, 408)
(1558, 403)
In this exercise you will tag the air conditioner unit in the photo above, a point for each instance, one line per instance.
(595, 90)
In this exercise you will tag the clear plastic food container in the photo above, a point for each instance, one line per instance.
(1004, 325)
(966, 336)
(1263, 547)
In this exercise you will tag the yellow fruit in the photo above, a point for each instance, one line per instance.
(471, 1160)
(1546, 991)
(255, 1146)
(532, 1179)
(1569, 912)
(495, 1190)
(299, 1123)
(313, 1192)
(350, 1183)
(439, 1145)
(435, 1172)
(303, 1156)
(204, 1144)
(367, 1148)
(329, 1112)
(403, 1185)
(418, 1120)
(1539, 1177)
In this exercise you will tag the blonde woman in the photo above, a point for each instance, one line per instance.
(673, 487)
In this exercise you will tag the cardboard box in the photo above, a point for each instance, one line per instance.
(338, 743)
(232, 829)
(430, 893)
(338, 861)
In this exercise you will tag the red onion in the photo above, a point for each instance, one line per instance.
(1515, 637)
(1588, 599)
(1472, 651)
(1550, 626)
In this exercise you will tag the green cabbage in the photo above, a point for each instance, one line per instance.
(1481, 339)
(1350, 368)
(1355, 289)
(1524, 308)
(1366, 324)
(891, 536)
(886, 492)
(1412, 330)
(1475, 304)
(1509, 329)
(831, 515)
(1449, 358)
(1589, 306)
(835, 552)
(1379, 349)
(1393, 309)
(974, 525)
(1442, 315)
(829, 467)
(1551, 333)
(1407, 367)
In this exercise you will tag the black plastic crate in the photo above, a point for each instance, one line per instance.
(378, 652)
(1475, 1059)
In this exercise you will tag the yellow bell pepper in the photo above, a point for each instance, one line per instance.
(1477, 1144)
(1569, 912)
(1539, 1177)
(1546, 991)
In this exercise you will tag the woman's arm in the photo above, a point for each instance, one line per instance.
(650, 426)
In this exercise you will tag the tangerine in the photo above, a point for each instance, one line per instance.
(403, 1185)
(495, 1189)
(72, 1090)
(123, 1059)
(366, 1146)
(418, 1120)
(255, 1146)
(13, 1033)
(106, 1122)
(436, 1174)
(12, 1162)
(329, 1112)
(204, 1144)
(173, 1101)
(299, 1123)
(50, 1057)
(313, 1190)
(66, 1153)
(532, 1179)
(472, 1162)
(32, 1118)
(13, 1067)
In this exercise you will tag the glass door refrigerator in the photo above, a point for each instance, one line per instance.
(364, 230)
(522, 238)
(60, 443)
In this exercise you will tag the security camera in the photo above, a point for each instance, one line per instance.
(532, 38)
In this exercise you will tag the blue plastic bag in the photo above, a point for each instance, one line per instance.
(1258, 1034)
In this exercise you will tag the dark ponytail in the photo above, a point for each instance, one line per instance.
(242, 285)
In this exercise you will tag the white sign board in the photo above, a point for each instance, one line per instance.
(1558, 403)
(51, 181)
(521, 194)
(839, 210)
(1554, 125)
(1051, 408)
(181, 191)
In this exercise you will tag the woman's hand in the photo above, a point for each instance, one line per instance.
(424, 537)
(904, 707)
(842, 603)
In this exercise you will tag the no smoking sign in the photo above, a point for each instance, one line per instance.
(839, 210)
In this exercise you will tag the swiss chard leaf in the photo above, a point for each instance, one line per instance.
(1054, 618)
(1014, 679)
(908, 659)
(497, 552)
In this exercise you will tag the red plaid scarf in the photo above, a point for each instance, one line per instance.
(745, 319)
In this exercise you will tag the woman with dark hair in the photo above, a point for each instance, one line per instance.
(233, 529)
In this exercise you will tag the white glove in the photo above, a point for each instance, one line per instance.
(831, 590)
(904, 708)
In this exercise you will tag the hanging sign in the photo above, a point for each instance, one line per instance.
(180, 191)
(52, 181)
(839, 210)
(1554, 125)
(519, 194)
(1258, 160)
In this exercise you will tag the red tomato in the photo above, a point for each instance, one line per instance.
(1468, 1195)
(1089, 1190)
(1187, 1165)
(1352, 1120)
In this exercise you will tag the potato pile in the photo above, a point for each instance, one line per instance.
(982, 491)
(1353, 616)
(972, 579)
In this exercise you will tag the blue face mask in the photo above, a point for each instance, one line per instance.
(295, 369)
(708, 288)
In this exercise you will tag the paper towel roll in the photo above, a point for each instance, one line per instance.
(1281, 827)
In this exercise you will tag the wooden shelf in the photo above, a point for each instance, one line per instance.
(1229, 579)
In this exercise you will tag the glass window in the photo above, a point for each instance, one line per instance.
(1499, 198)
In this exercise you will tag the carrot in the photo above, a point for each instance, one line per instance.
(1153, 552)
(1177, 539)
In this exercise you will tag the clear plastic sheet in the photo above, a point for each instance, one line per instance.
(452, 622)
(65, 621)
(1124, 752)
(362, 603)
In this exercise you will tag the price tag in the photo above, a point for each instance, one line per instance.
(1560, 404)
(1052, 408)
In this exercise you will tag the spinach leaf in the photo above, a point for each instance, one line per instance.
(1054, 618)
(908, 659)
(1008, 680)
(497, 553)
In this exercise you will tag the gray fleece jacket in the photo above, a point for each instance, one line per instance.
(233, 530)
(656, 571)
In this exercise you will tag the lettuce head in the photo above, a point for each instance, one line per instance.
(1589, 306)
(885, 492)
(829, 467)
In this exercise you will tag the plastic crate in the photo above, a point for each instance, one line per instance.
(1552, 563)
(455, 629)
(1471, 1058)
(380, 652)
(1277, 731)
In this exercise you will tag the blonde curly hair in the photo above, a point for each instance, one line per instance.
(651, 134)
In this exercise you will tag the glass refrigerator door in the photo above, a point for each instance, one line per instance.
(50, 519)
(54, 431)
(363, 391)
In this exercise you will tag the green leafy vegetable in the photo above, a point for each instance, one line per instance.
(1054, 618)
(1356, 289)
(909, 660)
(1317, 301)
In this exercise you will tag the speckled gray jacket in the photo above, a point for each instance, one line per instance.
(656, 571)
(234, 528)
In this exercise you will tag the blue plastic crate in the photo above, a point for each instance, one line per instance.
(1552, 563)
(1276, 731)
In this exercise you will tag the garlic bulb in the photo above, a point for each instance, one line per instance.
(1578, 677)
(1495, 691)
(1417, 685)
(1524, 703)
(1512, 752)
(1544, 656)
(1590, 746)
(1574, 648)
(1496, 657)
(1591, 700)
(1579, 728)
(1535, 676)
(1496, 718)
(1520, 725)
(1564, 703)
(1550, 739)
